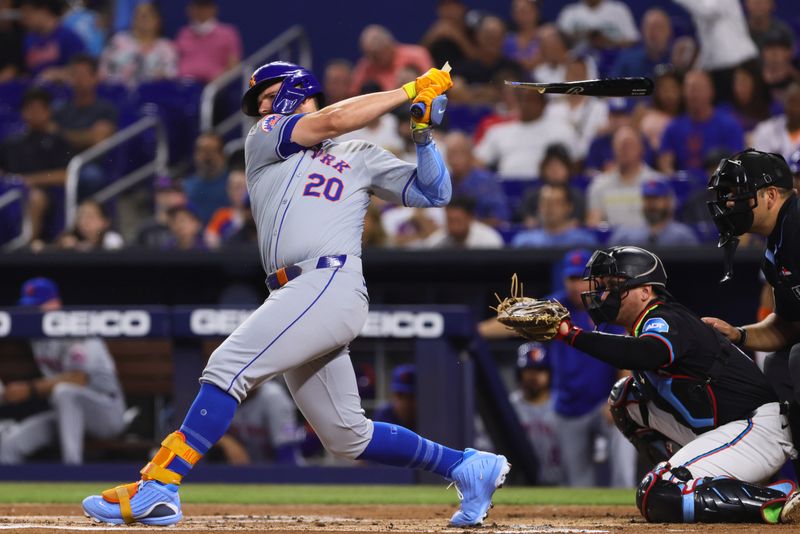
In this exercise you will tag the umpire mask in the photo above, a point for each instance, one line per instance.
(735, 186)
(611, 273)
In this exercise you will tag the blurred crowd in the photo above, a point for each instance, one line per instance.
(528, 170)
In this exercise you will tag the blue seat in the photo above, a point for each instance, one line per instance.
(466, 116)
(515, 191)
(177, 102)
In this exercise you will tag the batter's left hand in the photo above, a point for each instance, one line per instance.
(723, 328)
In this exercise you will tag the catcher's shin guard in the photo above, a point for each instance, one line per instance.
(651, 444)
(708, 500)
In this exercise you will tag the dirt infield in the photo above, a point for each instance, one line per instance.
(219, 519)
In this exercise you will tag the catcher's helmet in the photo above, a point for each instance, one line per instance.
(736, 181)
(298, 84)
(630, 267)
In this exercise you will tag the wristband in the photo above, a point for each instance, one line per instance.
(742, 336)
(411, 89)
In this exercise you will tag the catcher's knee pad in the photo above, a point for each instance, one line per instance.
(707, 500)
(651, 444)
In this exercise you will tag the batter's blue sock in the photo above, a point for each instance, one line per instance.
(206, 422)
(396, 445)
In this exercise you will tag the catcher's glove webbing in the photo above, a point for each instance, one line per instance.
(534, 319)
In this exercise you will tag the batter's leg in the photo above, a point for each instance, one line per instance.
(27, 437)
(575, 441)
(326, 392)
(622, 458)
(81, 412)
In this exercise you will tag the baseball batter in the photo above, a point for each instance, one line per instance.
(80, 380)
(690, 386)
(309, 196)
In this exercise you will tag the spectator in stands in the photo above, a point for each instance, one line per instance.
(491, 205)
(654, 50)
(87, 24)
(40, 156)
(554, 55)
(557, 227)
(777, 68)
(265, 428)
(48, 45)
(186, 229)
(479, 74)
(228, 220)
(411, 226)
(667, 104)
(750, 102)
(781, 134)
(557, 168)
(384, 57)
(516, 148)
(402, 408)
(86, 119)
(462, 229)
(247, 234)
(374, 235)
(141, 54)
(154, 232)
(688, 138)
(533, 405)
(761, 21)
(587, 115)
(600, 157)
(206, 47)
(92, 230)
(598, 24)
(12, 61)
(522, 45)
(661, 230)
(615, 197)
(724, 40)
(337, 80)
(80, 380)
(450, 38)
(206, 188)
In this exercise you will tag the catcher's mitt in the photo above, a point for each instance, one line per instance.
(534, 319)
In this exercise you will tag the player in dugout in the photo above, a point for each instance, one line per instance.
(692, 390)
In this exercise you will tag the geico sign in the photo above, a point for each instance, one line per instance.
(110, 323)
(205, 322)
(5, 324)
(403, 324)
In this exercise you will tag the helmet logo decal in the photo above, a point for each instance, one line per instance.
(252, 80)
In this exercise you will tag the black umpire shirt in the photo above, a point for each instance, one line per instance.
(685, 366)
(781, 263)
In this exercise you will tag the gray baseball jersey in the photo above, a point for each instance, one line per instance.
(539, 423)
(90, 355)
(314, 201)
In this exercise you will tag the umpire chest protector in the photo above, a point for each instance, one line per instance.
(781, 262)
(708, 381)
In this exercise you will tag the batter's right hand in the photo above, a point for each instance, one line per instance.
(435, 78)
(723, 328)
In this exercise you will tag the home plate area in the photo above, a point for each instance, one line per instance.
(218, 519)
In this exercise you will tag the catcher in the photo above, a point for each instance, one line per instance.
(695, 403)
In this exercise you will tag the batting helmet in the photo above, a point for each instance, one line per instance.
(298, 84)
(736, 182)
(631, 266)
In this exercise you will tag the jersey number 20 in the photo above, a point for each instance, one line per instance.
(331, 187)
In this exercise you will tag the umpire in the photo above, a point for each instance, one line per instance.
(754, 194)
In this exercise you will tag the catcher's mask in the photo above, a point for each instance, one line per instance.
(734, 185)
(612, 273)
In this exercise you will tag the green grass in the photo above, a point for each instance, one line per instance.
(28, 492)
